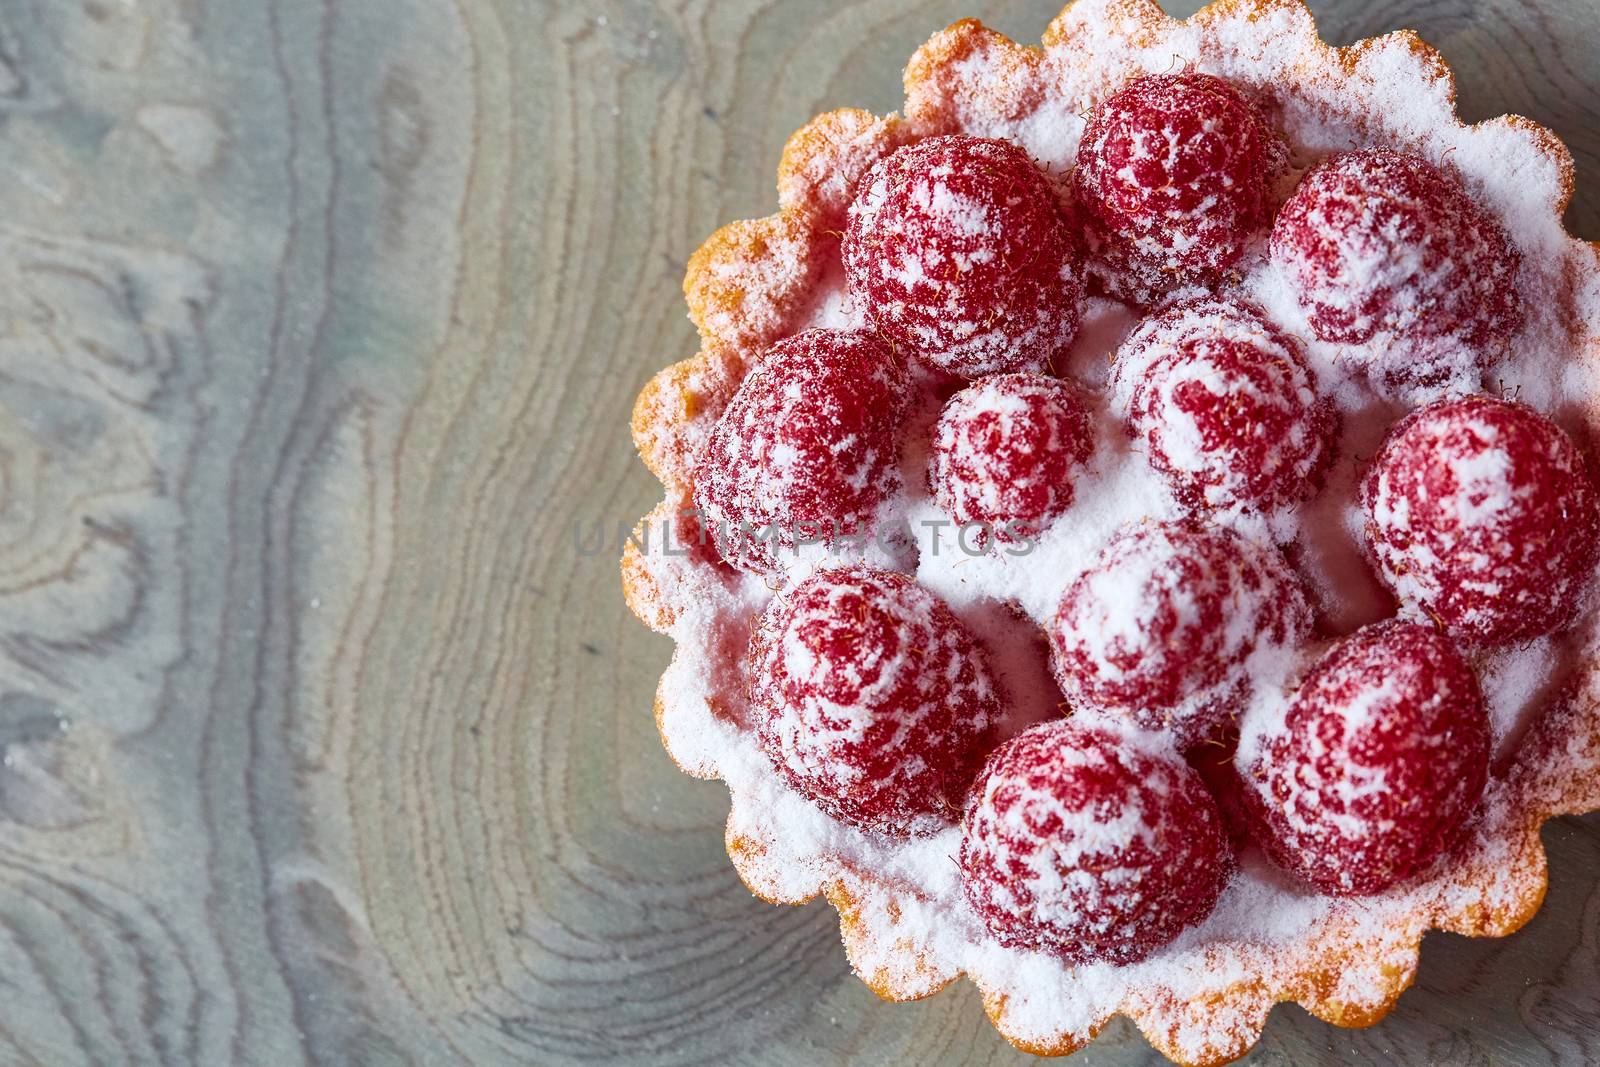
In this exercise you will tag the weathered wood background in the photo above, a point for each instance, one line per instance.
(323, 743)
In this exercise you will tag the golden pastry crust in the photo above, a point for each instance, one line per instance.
(641, 586)
(746, 282)
(824, 159)
(677, 408)
(946, 94)
(749, 285)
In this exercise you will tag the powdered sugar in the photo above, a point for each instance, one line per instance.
(1227, 408)
(1167, 624)
(1091, 842)
(957, 250)
(1518, 683)
(872, 699)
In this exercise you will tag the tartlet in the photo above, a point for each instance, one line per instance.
(1335, 376)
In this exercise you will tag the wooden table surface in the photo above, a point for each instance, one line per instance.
(323, 740)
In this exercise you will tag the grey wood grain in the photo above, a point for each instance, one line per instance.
(323, 742)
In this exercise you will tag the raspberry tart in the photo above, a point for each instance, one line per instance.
(1130, 533)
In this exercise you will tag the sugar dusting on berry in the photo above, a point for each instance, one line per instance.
(806, 449)
(1373, 768)
(958, 251)
(1118, 846)
(1226, 406)
(1173, 174)
(1481, 514)
(1388, 252)
(1174, 626)
(873, 699)
(919, 930)
(1006, 451)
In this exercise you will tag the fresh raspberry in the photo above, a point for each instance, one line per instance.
(1005, 452)
(1172, 176)
(1375, 766)
(1088, 842)
(1162, 626)
(958, 250)
(871, 698)
(1386, 251)
(1479, 511)
(807, 448)
(1226, 406)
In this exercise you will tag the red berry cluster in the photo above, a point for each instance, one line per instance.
(1006, 451)
(1160, 628)
(1226, 406)
(958, 249)
(1096, 838)
(1387, 251)
(871, 698)
(1173, 178)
